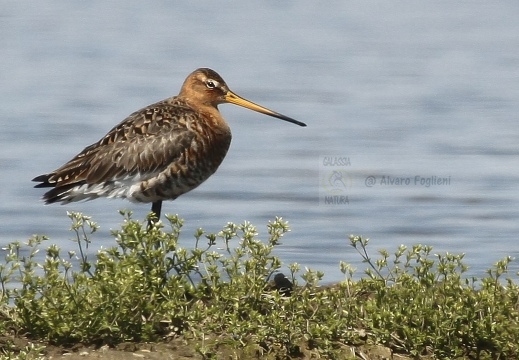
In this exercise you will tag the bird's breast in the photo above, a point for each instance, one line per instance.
(199, 159)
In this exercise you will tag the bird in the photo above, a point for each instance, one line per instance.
(157, 153)
(282, 284)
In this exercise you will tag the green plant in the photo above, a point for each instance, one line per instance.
(123, 294)
(217, 294)
(421, 304)
(28, 352)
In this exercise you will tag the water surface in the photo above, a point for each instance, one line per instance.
(400, 89)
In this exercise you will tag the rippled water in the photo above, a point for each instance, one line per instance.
(401, 90)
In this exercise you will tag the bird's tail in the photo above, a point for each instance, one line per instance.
(59, 193)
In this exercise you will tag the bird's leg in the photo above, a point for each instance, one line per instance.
(155, 209)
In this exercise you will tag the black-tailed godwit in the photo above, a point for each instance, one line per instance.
(157, 153)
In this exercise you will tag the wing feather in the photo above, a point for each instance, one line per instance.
(146, 142)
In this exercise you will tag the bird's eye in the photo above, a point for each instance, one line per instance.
(211, 84)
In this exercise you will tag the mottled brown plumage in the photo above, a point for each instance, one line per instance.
(157, 153)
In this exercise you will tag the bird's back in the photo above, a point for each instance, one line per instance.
(157, 153)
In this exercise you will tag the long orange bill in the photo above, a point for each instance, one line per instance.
(237, 100)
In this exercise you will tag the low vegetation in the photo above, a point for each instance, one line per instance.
(219, 296)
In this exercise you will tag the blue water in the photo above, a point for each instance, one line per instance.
(399, 89)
